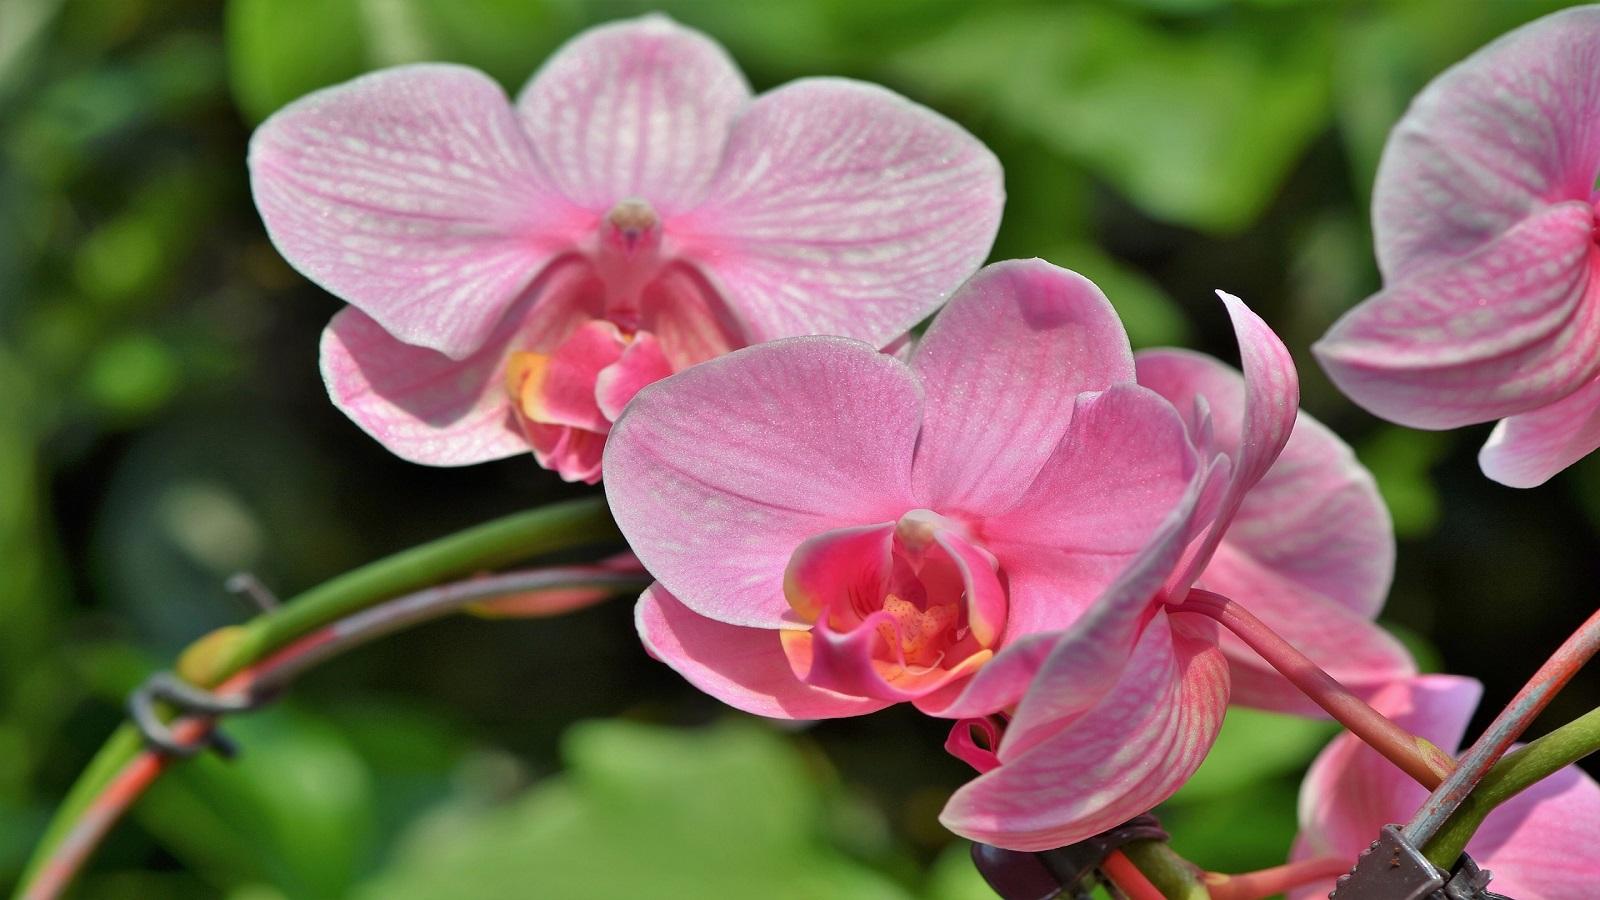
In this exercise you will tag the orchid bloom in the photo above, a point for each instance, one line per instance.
(1485, 214)
(515, 273)
(1538, 846)
(834, 530)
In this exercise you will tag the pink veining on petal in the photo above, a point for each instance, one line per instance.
(701, 220)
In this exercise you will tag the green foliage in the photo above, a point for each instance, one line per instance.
(728, 811)
(282, 49)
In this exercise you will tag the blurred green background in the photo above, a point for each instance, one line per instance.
(162, 425)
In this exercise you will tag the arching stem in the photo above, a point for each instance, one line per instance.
(1416, 756)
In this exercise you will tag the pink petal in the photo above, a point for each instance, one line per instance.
(1092, 653)
(633, 110)
(685, 313)
(573, 453)
(1528, 449)
(1514, 127)
(1541, 842)
(413, 194)
(718, 473)
(1311, 550)
(1271, 402)
(563, 391)
(843, 208)
(743, 667)
(997, 685)
(1346, 644)
(1125, 755)
(642, 363)
(422, 405)
(1350, 791)
(1123, 465)
(836, 564)
(1503, 330)
(1002, 365)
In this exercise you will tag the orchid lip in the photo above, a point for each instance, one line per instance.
(897, 607)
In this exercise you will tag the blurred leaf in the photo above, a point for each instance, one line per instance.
(1400, 459)
(1197, 127)
(1247, 829)
(954, 877)
(1254, 746)
(729, 811)
(280, 50)
(294, 810)
(132, 375)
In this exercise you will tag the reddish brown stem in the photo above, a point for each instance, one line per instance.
(1128, 879)
(1505, 729)
(1276, 880)
(1415, 756)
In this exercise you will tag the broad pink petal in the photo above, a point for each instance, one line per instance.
(1002, 365)
(413, 194)
(1346, 644)
(1351, 791)
(1271, 403)
(842, 208)
(1122, 467)
(1513, 127)
(743, 667)
(1131, 751)
(1311, 550)
(634, 110)
(718, 473)
(1503, 330)
(641, 363)
(1530, 448)
(1092, 653)
(420, 404)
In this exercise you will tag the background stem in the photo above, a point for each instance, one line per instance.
(215, 657)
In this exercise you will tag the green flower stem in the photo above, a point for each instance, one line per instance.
(220, 654)
(1175, 876)
(1514, 773)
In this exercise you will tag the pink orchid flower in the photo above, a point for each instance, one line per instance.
(515, 273)
(834, 530)
(1538, 846)
(1485, 218)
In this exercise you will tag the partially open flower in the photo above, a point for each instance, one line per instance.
(1539, 845)
(516, 273)
(1485, 216)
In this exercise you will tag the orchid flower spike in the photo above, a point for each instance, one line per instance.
(834, 530)
(1538, 846)
(1485, 217)
(515, 273)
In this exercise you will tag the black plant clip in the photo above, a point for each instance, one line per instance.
(1070, 872)
(1394, 869)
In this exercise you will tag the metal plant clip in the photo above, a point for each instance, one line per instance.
(1394, 869)
(165, 687)
(1070, 873)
